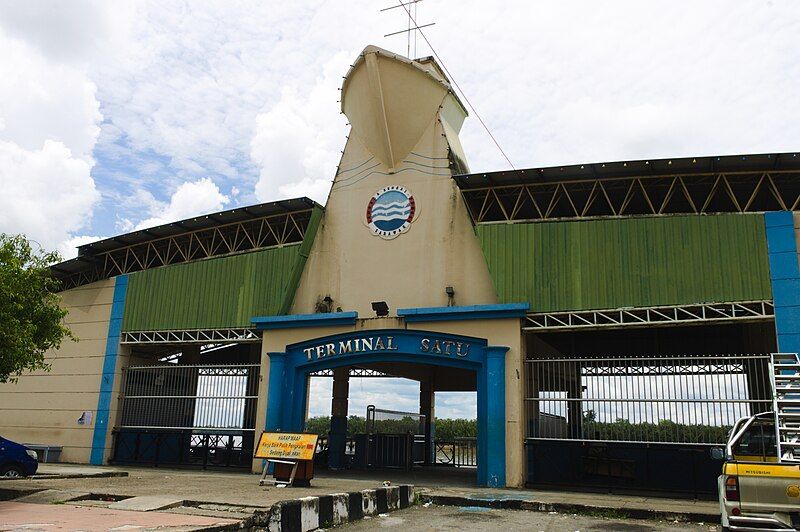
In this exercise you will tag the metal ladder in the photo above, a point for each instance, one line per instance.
(785, 374)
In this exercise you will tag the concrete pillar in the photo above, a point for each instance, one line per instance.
(427, 405)
(337, 439)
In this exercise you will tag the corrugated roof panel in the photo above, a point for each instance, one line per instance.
(215, 293)
(221, 292)
(633, 262)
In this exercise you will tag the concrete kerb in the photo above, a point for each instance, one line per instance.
(572, 508)
(303, 514)
(311, 513)
(103, 474)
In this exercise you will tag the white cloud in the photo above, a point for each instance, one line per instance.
(49, 120)
(47, 193)
(298, 141)
(43, 100)
(566, 82)
(191, 78)
(74, 32)
(192, 198)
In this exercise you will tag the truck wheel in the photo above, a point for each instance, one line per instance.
(12, 471)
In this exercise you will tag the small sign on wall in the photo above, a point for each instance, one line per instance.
(85, 418)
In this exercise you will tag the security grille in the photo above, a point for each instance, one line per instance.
(190, 397)
(664, 399)
(200, 415)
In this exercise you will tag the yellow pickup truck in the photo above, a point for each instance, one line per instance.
(758, 491)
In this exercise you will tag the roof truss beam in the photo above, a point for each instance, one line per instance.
(677, 315)
(248, 235)
(735, 192)
(190, 336)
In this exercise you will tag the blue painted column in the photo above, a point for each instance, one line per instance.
(275, 392)
(295, 408)
(785, 278)
(495, 415)
(109, 371)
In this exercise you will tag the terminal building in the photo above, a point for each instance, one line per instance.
(610, 317)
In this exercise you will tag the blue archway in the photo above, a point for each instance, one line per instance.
(289, 370)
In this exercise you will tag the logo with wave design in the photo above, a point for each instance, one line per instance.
(391, 211)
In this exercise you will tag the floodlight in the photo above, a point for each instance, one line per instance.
(381, 308)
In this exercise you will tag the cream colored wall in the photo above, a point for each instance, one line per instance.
(43, 407)
(440, 249)
(124, 359)
(505, 332)
(405, 123)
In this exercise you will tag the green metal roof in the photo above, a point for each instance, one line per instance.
(222, 292)
(633, 262)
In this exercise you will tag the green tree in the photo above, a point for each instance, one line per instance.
(31, 320)
(446, 429)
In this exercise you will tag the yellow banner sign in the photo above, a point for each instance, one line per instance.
(289, 445)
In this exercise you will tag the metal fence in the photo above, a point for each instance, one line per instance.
(194, 397)
(665, 399)
(458, 452)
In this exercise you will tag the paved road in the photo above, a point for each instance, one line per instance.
(449, 518)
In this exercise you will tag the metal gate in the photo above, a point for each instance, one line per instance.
(642, 424)
(198, 415)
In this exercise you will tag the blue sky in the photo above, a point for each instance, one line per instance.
(122, 115)
(126, 114)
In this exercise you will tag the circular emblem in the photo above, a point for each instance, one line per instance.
(793, 491)
(390, 211)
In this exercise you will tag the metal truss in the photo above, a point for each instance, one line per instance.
(247, 235)
(650, 316)
(354, 372)
(688, 366)
(191, 336)
(630, 196)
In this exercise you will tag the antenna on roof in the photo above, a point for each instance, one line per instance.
(412, 24)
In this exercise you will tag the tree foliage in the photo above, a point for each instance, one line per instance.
(446, 429)
(31, 320)
(662, 431)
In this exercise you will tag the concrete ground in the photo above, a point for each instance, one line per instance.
(224, 487)
(567, 501)
(449, 518)
(191, 485)
(19, 516)
(237, 495)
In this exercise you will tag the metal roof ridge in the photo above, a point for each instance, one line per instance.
(308, 203)
(652, 166)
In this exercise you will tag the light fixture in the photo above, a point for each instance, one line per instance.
(381, 308)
